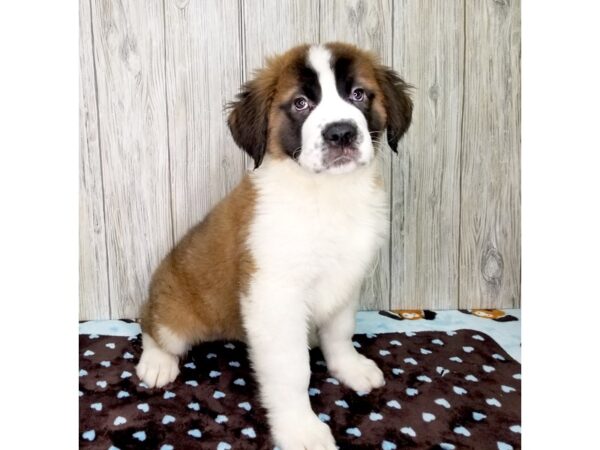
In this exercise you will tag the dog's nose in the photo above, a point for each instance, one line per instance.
(340, 134)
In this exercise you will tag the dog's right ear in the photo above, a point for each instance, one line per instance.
(249, 118)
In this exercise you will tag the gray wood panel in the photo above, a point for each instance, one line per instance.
(490, 191)
(273, 27)
(428, 53)
(129, 56)
(368, 25)
(203, 73)
(93, 275)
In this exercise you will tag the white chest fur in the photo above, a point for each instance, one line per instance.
(316, 234)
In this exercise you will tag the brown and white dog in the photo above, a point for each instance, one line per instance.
(284, 254)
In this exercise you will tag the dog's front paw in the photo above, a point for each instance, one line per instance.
(157, 367)
(358, 373)
(305, 432)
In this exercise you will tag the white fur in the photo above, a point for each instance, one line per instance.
(312, 239)
(171, 342)
(343, 361)
(332, 108)
(159, 364)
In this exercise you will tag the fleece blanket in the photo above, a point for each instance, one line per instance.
(444, 390)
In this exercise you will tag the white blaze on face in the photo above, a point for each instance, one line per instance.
(332, 108)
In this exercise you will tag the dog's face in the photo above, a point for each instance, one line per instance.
(324, 107)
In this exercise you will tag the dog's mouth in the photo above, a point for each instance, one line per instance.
(336, 156)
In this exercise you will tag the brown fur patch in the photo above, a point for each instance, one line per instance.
(253, 118)
(195, 291)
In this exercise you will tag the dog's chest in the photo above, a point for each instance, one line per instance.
(318, 235)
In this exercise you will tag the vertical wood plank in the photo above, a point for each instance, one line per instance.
(428, 53)
(203, 73)
(129, 55)
(490, 193)
(367, 24)
(271, 27)
(93, 276)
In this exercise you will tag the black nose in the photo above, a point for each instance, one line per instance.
(340, 134)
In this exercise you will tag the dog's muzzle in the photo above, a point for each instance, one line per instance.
(340, 143)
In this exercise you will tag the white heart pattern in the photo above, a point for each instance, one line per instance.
(459, 390)
(167, 419)
(394, 404)
(493, 402)
(120, 420)
(442, 402)
(409, 431)
(428, 417)
(375, 416)
(249, 432)
(144, 407)
(462, 430)
(354, 432)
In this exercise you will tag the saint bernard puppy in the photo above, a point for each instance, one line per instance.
(282, 257)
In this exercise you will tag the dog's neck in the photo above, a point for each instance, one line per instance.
(289, 173)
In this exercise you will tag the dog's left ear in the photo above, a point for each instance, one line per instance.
(398, 104)
(249, 118)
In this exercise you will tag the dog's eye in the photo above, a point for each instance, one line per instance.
(300, 103)
(358, 94)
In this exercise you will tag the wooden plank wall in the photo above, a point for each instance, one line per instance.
(156, 155)
(426, 189)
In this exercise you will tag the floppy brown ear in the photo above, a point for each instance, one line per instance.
(398, 104)
(249, 119)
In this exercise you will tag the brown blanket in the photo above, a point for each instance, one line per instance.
(456, 390)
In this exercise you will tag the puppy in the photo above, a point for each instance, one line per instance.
(284, 254)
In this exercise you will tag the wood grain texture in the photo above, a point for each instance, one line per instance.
(93, 275)
(271, 27)
(367, 24)
(490, 193)
(129, 55)
(203, 74)
(428, 53)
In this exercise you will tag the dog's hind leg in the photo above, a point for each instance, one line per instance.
(159, 363)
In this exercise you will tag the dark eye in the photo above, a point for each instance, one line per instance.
(358, 94)
(300, 103)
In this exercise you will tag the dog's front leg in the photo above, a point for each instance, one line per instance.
(343, 361)
(275, 321)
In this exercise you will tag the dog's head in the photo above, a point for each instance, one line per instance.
(322, 106)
